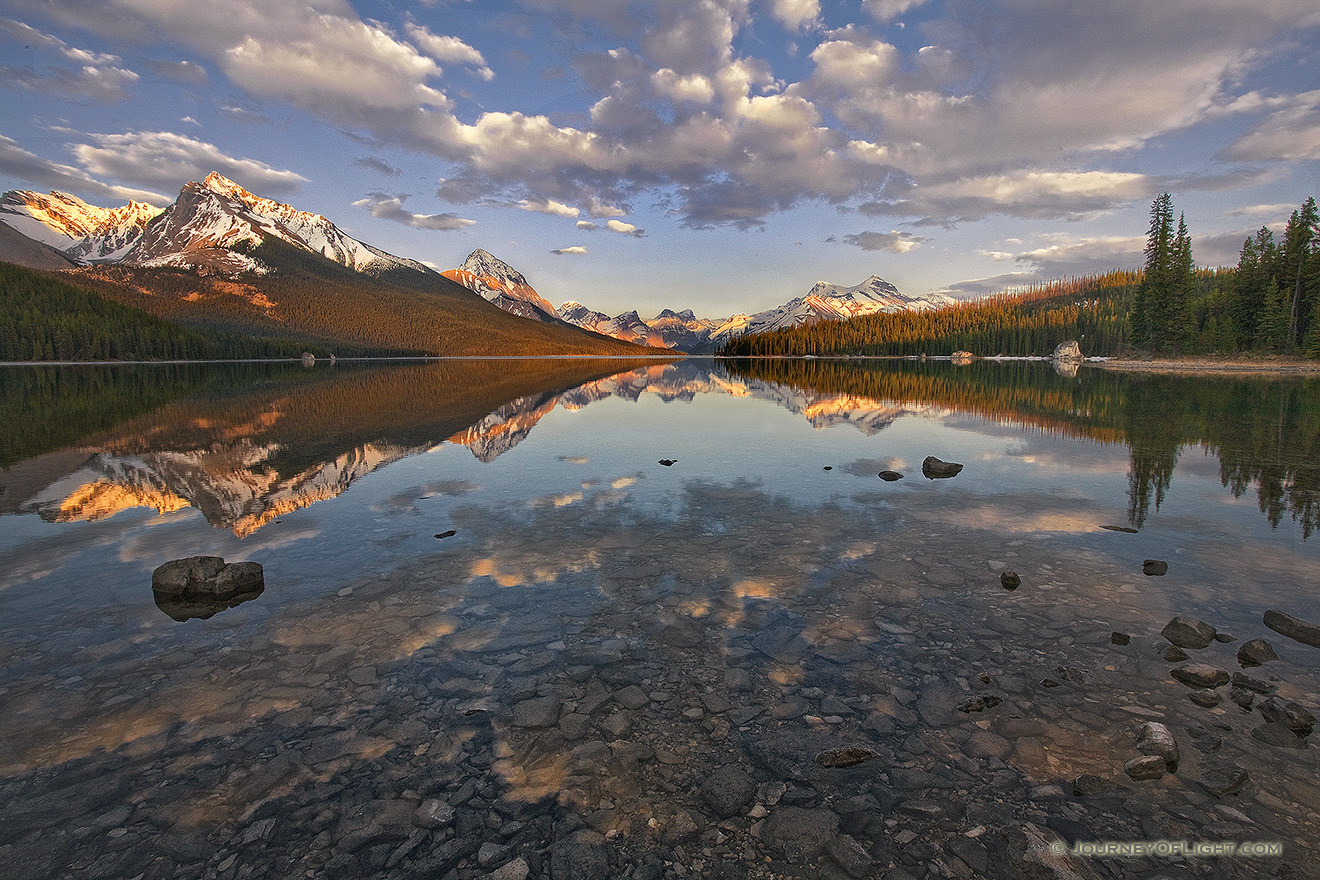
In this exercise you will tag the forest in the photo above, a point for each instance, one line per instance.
(1268, 304)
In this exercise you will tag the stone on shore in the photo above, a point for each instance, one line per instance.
(1068, 352)
(1201, 675)
(1154, 738)
(1144, 768)
(1255, 653)
(1294, 628)
(1188, 632)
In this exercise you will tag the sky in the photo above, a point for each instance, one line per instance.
(718, 155)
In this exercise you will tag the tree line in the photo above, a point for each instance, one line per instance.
(1268, 304)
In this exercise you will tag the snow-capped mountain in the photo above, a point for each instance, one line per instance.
(501, 284)
(199, 230)
(86, 233)
(212, 217)
(684, 331)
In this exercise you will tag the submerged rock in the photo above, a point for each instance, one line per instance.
(1255, 653)
(1294, 628)
(1010, 580)
(934, 469)
(1154, 568)
(1200, 675)
(889, 476)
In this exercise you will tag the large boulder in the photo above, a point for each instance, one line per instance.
(200, 586)
(934, 469)
(1068, 352)
(1294, 628)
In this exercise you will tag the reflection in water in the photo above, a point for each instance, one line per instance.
(611, 670)
(183, 608)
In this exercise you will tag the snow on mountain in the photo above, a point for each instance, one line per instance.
(86, 233)
(684, 331)
(501, 284)
(210, 218)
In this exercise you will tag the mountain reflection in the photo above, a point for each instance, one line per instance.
(247, 444)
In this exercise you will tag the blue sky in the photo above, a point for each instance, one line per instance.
(719, 155)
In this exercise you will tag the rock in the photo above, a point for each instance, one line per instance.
(986, 744)
(889, 476)
(1154, 568)
(934, 469)
(847, 756)
(1173, 653)
(201, 586)
(1145, 768)
(518, 869)
(1292, 715)
(1154, 738)
(433, 814)
(668, 462)
(447, 534)
(1243, 697)
(537, 712)
(1010, 581)
(1251, 683)
(1089, 783)
(978, 704)
(1125, 529)
(1200, 675)
(1188, 632)
(1277, 733)
(1255, 653)
(1119, 638)
(1068, 351)
(1207, 699)
(1293, 628)
(799, 833)
(1222, 779)
(1025, 851)
(581, 856)
(850, 855)
(727, 791)
(1225, 638)
(962, 356)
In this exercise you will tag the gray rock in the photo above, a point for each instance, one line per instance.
(1144, 768)
(1188, 632)
(1200, 675)
(1255, 653)
(1154, 738)
(185, 577)
(727, 791)
(934, 469)
(582, 856)
(1118, 638)
(1293, 715)
(1277, 733)
(800, 834)
(1222, 779)
(1025, 851)
(1206, 699)
(632, 697)
(537, 712)
(850, 855)
(1089, 783)
(1155, 568)
(1243, 697)
(1010, 580)
(1293, 628)
(518, 869)
(1242, 680)
(201, 586)
(433, 814)
(1173, 653)
(890, 476)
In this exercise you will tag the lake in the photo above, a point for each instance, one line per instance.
(598, 619)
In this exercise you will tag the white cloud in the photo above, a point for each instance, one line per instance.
(888, 10)
(796, 14)
(693, 87)
(18, 163)
(576, 250)
(624, 228)
(168, 160)
(587, 226)
(549, 206)
(893, 241)
(386, 207)
(449, 50)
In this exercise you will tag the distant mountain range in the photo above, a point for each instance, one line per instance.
(222, 258)
(219, 230)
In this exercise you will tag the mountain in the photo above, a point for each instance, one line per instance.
(223, 259)
(500, 284)
(684, 331)
(83, 232)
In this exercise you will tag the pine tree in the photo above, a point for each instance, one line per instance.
(1152, 309)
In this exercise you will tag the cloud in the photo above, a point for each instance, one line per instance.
(386, 207)
(93, 75)
(570, 251)
(180, 71)
(624, 228)
(166, 159)
(18, 163)
(888, 10)
(587, 226)
(894, 242)
(549, 206)
(1290, 134)
(449, 50)
(796, 14)
(371, 163)
(244, 115)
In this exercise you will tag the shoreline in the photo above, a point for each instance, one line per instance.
(1277, 366)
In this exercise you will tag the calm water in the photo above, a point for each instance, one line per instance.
(603, 633)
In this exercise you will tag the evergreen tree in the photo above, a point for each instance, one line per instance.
(1154, 303)
(1299, 241)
